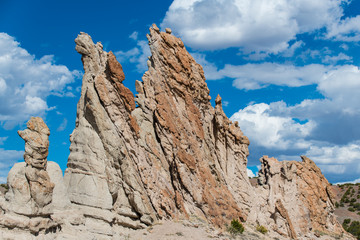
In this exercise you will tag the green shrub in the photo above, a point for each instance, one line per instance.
(262, 229)
(347, 221)
(235, 227)
(337, 204)
(354, 229)
(357, 206)
(353, 200)
(351, 209)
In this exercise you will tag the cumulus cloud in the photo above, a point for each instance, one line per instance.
(250, 173)
(255, 76)
(276, 132)
(347, 154)
(253, 25)
(347, 30)
(25, 82)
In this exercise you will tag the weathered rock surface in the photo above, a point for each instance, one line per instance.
(172, 156)
(30, 188)
(36, 188)
(166, 154)
(295, 199)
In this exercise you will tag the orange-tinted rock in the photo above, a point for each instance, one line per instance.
(295, 199)
(172, 157)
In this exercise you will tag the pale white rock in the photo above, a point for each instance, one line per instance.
(60, 198)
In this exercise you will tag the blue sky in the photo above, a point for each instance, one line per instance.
(287, 70)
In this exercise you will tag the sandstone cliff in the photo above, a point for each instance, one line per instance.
(166, 154)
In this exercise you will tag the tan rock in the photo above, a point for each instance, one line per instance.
(173, 156)
(293, 199)
(166, 154)
(36, 138)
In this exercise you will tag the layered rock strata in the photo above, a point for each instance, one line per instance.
(165, 154)
(295, 199)
(36, 188)
(172, 156)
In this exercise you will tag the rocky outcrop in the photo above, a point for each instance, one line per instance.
(36, 188)
(295, 199)
(30, 188)
(171, 156)
(165, 154)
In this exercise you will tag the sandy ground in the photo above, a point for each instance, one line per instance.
(183, 230)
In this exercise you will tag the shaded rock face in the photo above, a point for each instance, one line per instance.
(172, 156)
(296, 199)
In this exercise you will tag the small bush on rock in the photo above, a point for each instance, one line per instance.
(262, 229)
(235, 227)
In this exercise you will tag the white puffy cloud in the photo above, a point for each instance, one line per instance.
(25, 82)
(347, 30)
(347, 154)
(255, 76)
(250, 173)
(276, 132)
(253, 25)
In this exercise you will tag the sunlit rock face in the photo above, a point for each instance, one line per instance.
(165, 154)
(36, 189)
(172, 156)
(295, 199)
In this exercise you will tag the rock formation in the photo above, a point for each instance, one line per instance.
(36, 138)
(172, 156)
(165, 154)
(295, 199)
(36, 188)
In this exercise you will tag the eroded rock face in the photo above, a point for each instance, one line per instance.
(29, 182)
(36, 189)
(296, 199)
(173, 156)
(164, 154)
